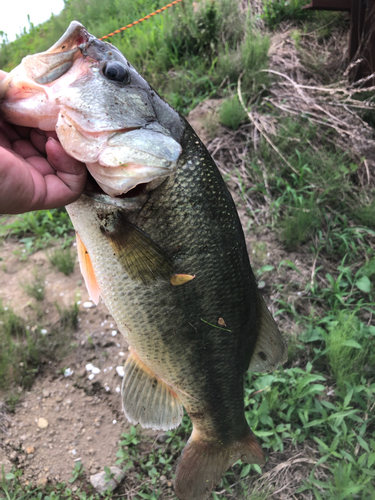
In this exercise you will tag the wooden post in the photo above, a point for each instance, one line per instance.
(362, 35)
(362, 40)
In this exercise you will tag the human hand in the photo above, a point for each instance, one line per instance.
(35, 171)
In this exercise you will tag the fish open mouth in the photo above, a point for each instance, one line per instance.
(93, 188)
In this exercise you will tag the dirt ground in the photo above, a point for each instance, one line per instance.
(81, 410)
(84, 416)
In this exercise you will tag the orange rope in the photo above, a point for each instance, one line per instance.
(142, 19)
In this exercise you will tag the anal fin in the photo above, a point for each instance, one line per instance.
(87, 271)
(147, 399)
(270, 349)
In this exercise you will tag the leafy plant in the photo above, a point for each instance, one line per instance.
(232, 113)
(63, 259)
(38, 288)
(350, 349)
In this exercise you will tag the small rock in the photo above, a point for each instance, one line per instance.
(42, 482)
(101, 483)
(13, 457)
(30, 449)
(68, 372)
(59, 399)
(46, 393)
(88, 305)
(42, 423)
(120, 371)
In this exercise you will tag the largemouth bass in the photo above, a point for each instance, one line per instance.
(159, 239)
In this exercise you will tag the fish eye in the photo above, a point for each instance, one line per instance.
(116, 72)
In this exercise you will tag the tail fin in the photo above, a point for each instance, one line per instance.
(202, 464)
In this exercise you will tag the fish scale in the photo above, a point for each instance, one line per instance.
(224, 287)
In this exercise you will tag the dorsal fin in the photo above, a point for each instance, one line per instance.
(270, 348)
(142, 258)
(146, 399)
(87, 271)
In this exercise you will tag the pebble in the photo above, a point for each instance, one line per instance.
(120, 371)
(88, 305)
(42, 482)
(46, 393)
(100, 483)
(30, 449)
(42, 423)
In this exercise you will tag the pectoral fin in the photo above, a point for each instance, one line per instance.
(142, 258)
(87, 271)
(147, 399)
(270, 348)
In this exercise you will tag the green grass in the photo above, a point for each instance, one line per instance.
(63, 259)
(37, 288)
(232, 113)
(19, 353)
(350, 349)
(13, 489)
(23, 348)
(37, 230)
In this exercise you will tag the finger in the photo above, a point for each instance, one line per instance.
(52, 134)
(3, 75)
(16, 184)
(9, 131)
(25, 149)
(4, 141)
(41, 165)
(23, 132)
(61, 161)
(38, 139)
